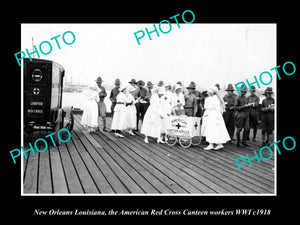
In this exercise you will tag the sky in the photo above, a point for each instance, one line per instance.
(204, 53)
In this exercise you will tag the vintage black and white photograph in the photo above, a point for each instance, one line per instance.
(149, 108)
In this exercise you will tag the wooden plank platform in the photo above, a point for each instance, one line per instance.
(100, 163)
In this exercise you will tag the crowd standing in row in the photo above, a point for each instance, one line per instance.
(152, 103)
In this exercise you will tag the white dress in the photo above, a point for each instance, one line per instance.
(118, 121)
(130, 118)
(168, 102)
(213, 126)
(153, 125)
(90, 109)
(178, 99)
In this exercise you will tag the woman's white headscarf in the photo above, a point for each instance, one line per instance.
(93, 86)
(214, 89)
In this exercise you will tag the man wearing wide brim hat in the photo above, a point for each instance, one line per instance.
(101, 104)
(268, 90)
(267, 118)
(133, 81)
(142, 104)
(192, 86)
(113, 95)
(242, 117)
(253, 112)
(228, 115)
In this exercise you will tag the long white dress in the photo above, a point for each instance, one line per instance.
(90, 109)
(213, 125)
(118, 121)
(153, 125)
(168, 102)
(130, 118)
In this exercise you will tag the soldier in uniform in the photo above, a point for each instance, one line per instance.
(199, 98)
(101, 104)
(242, 117)
(267, 119)
(253, 112)
(141, 105)
(228, 115)
(190, 105)
(113, 95)
(148, 93)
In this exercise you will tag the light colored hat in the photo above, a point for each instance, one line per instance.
(161, 90)
(93, 86)
(168, 84)
(212, 89)
(177, 86)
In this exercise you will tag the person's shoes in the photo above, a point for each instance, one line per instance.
(219, 146)
(131, 133)
(105, 130)
(209, 147)
(146, 140)
(159, 140)
(244, 144)
(119, 135)
(230, 142)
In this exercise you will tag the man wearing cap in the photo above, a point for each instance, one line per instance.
(242, 117)
(141, 105)
(113, 95)
(101, 104)
(228, 115)
(190, 105)
(253, 111)
(267, 118)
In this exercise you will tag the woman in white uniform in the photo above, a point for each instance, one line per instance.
(178, 101)
(154, 118)
(118, 121)
(89, 117)
(213, 126)
(130, 118)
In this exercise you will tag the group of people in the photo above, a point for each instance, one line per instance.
(153, 103)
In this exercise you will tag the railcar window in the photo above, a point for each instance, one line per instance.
(37, 75)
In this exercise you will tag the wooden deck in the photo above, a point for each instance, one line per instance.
(100, 163)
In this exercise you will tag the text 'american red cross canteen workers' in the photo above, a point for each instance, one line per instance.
(213, 126)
